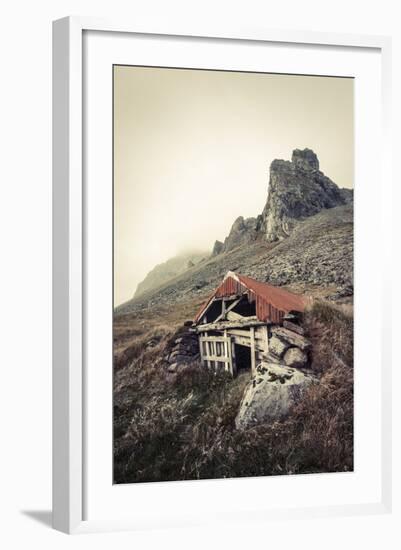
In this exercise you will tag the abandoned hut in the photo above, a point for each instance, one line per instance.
(245, 322)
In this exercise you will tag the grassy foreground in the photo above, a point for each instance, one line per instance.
(182, 427)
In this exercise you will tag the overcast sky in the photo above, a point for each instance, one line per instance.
(192, 151)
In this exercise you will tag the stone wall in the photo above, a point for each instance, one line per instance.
(183, 349)
(287, 347)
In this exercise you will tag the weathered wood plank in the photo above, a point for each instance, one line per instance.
(233, 359)
(253, 362)
(292, 337)
(245, 322)
(219, 358)
(232, 316)
(240, 340)
(227, 344)
(238, 332)
(293, 327)
(212, 338)
(227, 298)
(227, 353)
(261, 335)
(247, 342)
(226, 310)
(246, 334)
(201, 352)
(260, 332)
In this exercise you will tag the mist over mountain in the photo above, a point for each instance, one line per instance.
(303, 236)
(297, 189)
(165, 271)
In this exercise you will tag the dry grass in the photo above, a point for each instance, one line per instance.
(183, 428)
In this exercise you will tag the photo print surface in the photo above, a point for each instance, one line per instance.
(233, 274)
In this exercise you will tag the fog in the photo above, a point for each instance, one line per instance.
(192, 151)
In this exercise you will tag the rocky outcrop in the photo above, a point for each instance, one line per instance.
(242, 232)
(305, 159)
(348, 195)
(217, 248)
(271, 394)
(297, 190)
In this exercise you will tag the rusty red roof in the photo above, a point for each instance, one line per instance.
(272, 302)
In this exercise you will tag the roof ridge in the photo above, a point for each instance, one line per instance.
(279, 298)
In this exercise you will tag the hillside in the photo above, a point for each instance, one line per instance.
(303, 239)
(166, 271)
(173, 418)
(316, 257)
(174, 427)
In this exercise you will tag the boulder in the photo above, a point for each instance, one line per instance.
(291, 338)
(278, 347)
(270, 394)
(295, 358)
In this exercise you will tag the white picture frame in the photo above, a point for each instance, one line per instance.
(70, 259)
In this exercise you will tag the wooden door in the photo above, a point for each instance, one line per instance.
(216, 352)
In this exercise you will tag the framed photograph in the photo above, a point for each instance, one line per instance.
(219, 347)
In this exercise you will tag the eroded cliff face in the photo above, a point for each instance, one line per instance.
(307, 219)
(318, 254)
(297, 190)
(243, 231)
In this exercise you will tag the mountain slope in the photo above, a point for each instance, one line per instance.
(243, 231)
(302, 239)
(297, 189)
(162, 273)
(318, 254)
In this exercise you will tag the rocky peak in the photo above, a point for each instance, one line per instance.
(297, 189)
(242, 232)
(305, 159)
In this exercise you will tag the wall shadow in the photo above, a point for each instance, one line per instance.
(41, 516)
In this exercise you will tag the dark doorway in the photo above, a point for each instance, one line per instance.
(242, 357)
(245, 308)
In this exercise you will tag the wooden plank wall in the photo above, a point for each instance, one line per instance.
(219, 351)
(215, 352)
